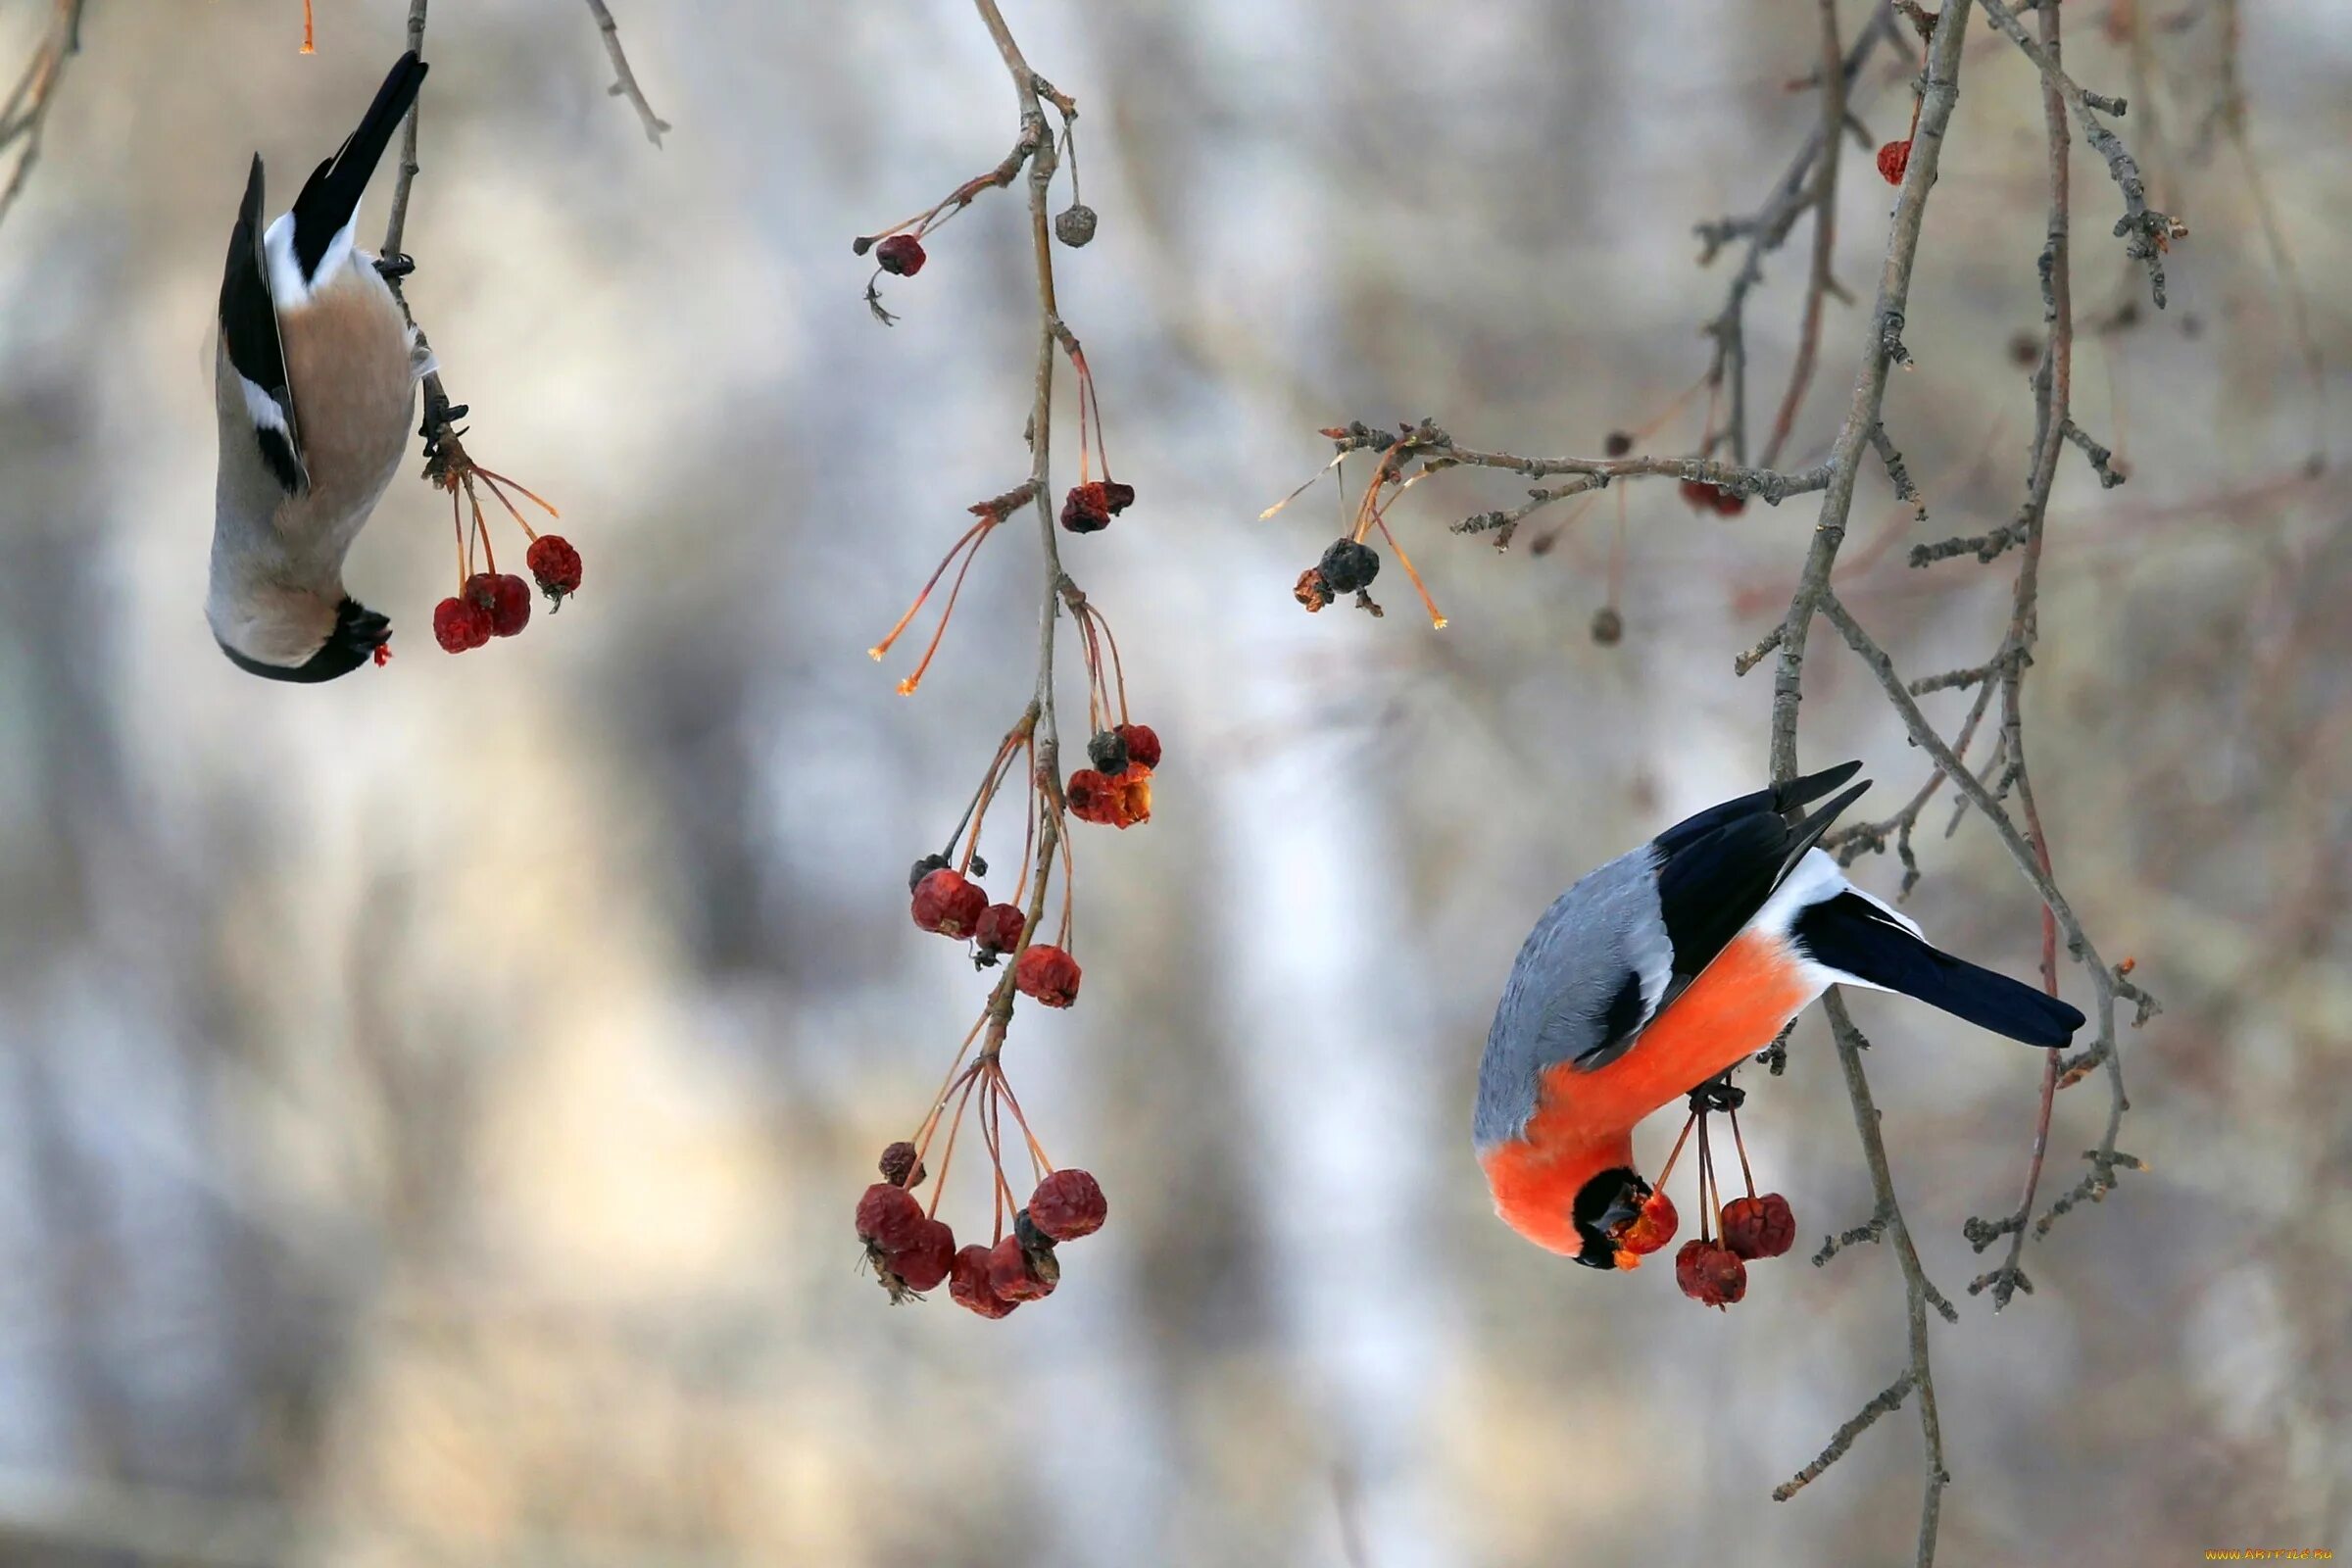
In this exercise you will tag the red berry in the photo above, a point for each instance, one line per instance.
(901, 1167)
(1699, 494)
(1894, 159)
(1653, 1228)
(1067, 1204)
(1087, 507)
(947, 903)
(1142, 744)
(888, 1217)
(459, 624)
(1730, 505)
(1759, 1227)
(968, 1286)
(901, 254)
(511, 610)
(1119, 802)
(383, 653)
(926, 1259)
(1709, 1273)
(1092, 798)
(1010, 1274)
(999, 928)
(555, 565)
(1049, 974)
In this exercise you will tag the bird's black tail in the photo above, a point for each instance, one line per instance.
(1854, 936)
(332, 195)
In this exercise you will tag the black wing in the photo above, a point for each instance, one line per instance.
(1716, 869)
(249, 329)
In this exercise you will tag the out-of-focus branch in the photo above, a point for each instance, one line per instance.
(25, 116)
(2150, 232)
(624, 80)
(1819, 281)
(1798, 190)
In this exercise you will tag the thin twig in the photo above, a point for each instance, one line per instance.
(624, 83)
(25, 116)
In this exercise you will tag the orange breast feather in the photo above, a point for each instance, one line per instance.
(1583, 1121)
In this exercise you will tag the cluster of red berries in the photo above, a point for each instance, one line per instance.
(1894, 159)
(1702, 496)
(1115, 791)
(498, 604)
(948, 904)
(913, 1251)
(1714, 1273)
(1347, 568)
(1711, 1269)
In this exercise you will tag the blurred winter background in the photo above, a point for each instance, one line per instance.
(431, 1105)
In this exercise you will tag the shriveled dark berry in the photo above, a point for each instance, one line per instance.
(1107, 750)
(923, 869)
(1618, 444)
(1087, 507)
(1074, 224)
(1349, 566)
(1608, 626)
(901, 1167)
(1117, 497)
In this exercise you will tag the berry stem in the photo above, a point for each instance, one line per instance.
(1741, 1144)
(1437, 622)
(946, 1158)
(1037, 1151)
(493, 480)
(1687, 1122)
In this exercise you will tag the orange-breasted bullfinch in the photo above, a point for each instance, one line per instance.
(1667, 966)
(314, 377)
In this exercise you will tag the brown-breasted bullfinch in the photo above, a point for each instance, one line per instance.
(314, 377)
(1669, 966)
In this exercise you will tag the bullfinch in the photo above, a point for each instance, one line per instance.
(1669, 966)
(314, 377)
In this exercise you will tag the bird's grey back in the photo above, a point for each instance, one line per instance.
(1569, 971)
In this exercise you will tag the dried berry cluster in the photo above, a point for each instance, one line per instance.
(490, 603)
(1117, 791)
(910, 1248)
(1712, 1268)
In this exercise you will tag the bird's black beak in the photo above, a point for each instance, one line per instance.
(1606, 1205)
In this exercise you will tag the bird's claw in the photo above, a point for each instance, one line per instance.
(1717, 1094)
(394, 265)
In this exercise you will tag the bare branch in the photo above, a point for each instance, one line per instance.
(624, 83)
